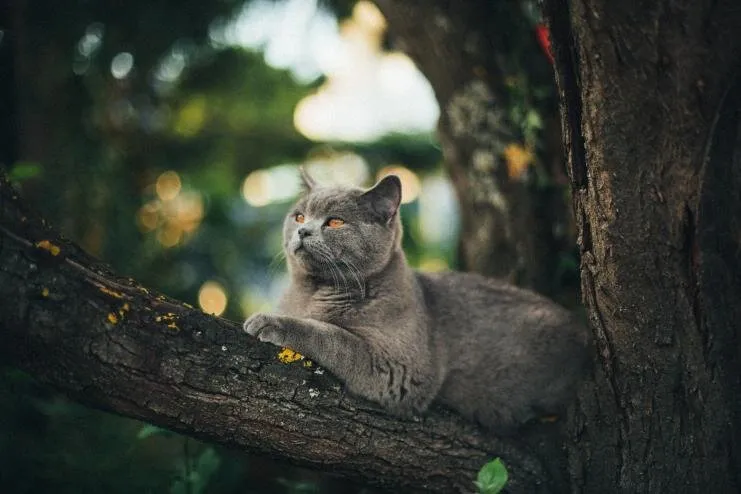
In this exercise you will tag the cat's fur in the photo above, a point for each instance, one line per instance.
(493, 352)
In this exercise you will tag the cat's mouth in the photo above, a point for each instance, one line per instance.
(307, 252)
(302, 248)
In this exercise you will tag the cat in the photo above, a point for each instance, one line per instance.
(496, 354)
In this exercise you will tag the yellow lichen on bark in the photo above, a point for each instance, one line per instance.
(110, 292)
(288, 356)
(49, 247)
(123, 310)
(112, 318)
(169, 320)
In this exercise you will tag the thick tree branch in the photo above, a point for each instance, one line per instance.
(112, 344)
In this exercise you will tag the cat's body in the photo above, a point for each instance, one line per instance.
(494, 353)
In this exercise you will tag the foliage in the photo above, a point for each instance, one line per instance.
(492, 477)
(24, 170)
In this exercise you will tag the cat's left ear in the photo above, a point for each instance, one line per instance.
(306, 179)
(384, 198)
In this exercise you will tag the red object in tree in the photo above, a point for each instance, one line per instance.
(544, 40)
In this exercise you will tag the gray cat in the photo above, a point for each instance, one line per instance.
(495, 353)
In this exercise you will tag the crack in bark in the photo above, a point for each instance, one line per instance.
(567, 77)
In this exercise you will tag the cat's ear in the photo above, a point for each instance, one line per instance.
(306, 179)
(384, 198)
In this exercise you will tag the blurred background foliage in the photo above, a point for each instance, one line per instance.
(165, 138)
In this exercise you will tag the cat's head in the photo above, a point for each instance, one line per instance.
(344, 228)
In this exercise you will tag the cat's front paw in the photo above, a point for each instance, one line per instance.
(264, 327)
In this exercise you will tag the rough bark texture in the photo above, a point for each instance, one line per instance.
(483, 62)
(114, 345)
(651, 100)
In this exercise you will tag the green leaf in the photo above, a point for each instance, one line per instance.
(207, 463)
(533, 120)
(152, 430)
(492, 477)
(23, 170)
(298, 487)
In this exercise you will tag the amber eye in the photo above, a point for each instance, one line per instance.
(299, 218)
(335, 222)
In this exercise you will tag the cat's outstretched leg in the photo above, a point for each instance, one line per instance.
(399, 386)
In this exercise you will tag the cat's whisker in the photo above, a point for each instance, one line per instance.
(327, 261)
(345, 282)
(353, 270)
(326, 254)
(357, 275)
(276, 262)
(336, 268)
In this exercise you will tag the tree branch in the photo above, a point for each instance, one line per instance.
(112, 344)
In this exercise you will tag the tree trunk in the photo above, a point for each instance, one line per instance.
(112, 344)
(495, 91)
(651, 106)
(9, 122)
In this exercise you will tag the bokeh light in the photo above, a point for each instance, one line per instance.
(433, 264)
(368, 15)
(256, 188)
(212, 298)
(410, 183)
(121, 65)
(169, 235)
(148, 216)
(173, 214)
(438, 221)
(518, 158)
(187, 211)
(338, 169)
(275, 184)
(168, 185)
(369, 92)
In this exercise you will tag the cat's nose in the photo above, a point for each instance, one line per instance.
(304, 232)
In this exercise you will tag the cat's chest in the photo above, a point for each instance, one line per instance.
(334, 309)
(347, 310)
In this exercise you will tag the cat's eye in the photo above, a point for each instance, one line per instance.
(335, 222)
(299, 217)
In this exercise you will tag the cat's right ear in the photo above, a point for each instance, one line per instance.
(384, 198)
(306, 179)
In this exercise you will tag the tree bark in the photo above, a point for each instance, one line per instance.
(9, 123)
(488, 73)
(651, 106)
(112, 344)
